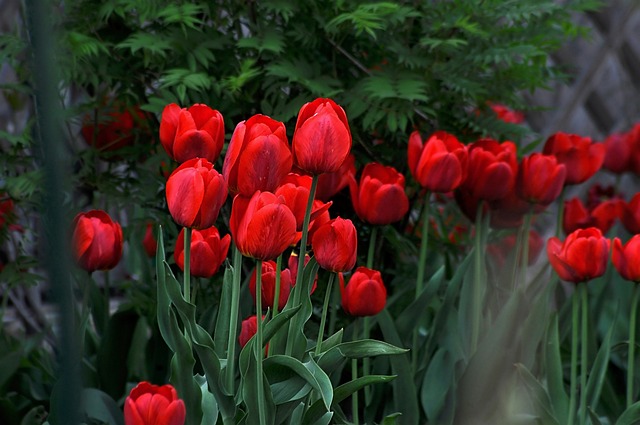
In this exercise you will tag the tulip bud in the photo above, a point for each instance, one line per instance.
(97, 241)
(149, 404)
(335, 245)
(581, 257)
(208, 251)
(269, 285)
(581, 157)
(625, 258)
(365, 295)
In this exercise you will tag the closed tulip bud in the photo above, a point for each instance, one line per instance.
(330, 184)
(262, 226)
(149, 242)
(380, 197)
(269, 285)
(194, 132)
(365, 295)
(581, 257)
(581, 157)
(322, 138)
(335, 245)
(258, 157)
(540, 179)
(492, 169)
(149, 404)
(625, 258)
(439, 164)
(208, 251)
(97, 241)
(195, 194)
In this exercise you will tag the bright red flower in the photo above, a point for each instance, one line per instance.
(507, 114)
(293, 268)
(194, 132)
(208, 251)
(540, 179)
(625, 258)
(295, 190)
(149, 242)
(322, 138)
(617, 157)
(331, 183)
(116, 127)
(262, 226)
(319, 216)
(581, 257)
(269, 285)
(149, 404)
(97, 241)
(335, 245)
(365, 295)
(581, 157)
(195, 194)
(439, 164)
(258, 157)
(602, 215)
(492, 169)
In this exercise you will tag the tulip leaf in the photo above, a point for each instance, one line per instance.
(221, 334)
(539, 396)
(307, 372)
(391, 419)
(406, 321)
(332, 341)
(99, 406)
(595, 420)
(631, 416)
(367, 348)
(553, 362)
(209, 403)
(599, 369)
(441, 370)
(250, 393)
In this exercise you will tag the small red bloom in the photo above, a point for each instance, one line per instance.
(492, 169)
(365, 295)
(116, 128)
(618, 158)
(149, 404)
(208, 251)
(581, 257)
(540, 179)
(194, 132)
(507, 114)
(269, 285)
(631, 215)
(335, 245)
(295, 190)
(331, 183)
(195, 194)
(581, 157)
(602, 215)
(248, 329)
(6, 210)
(97, 241)
(149, 242)
(625, 258)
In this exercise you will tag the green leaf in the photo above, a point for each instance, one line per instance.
(332, 341)
(553, 362)
(631, 416)
(310, 372)
(99, 406)
(540, 398)
(270, 40)
(209, 404)
(367, 348)
(221, 333)
(438, 381)
(599, 368)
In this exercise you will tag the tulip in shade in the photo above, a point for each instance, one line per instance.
(6, 210)
(492, 169)
(149, 404)
(335, 245)
(194, 132)
(507, 114)
(295, 190)
(603, 215)
(617, 158)
(115, 130)
(262, 226)
(631, 215)
(269, 285)
(293, 268)
(581, 257)
(380, 197)
(208, 251)
(322, 138)
(365, 295)
(331, 183)
(149, 242)
(625, 258)
(195, 194)
(97, 241)
(581, 157)
(440, 164)
(248, 329)
(258, 157)
(540, 179)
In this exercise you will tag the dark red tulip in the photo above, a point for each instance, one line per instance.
(295, 190)
(262, 226)
(617, 158)
(116, 127)
(507, 114)
(269, 285)
(581, 157)
(492, 169)
(439, 164)
(293, 268)
(322, 139)
(335, 245)
(195, 194)
(194, 132)
(581, 257)
(6, 210)
(540, 179)
(248, 329)
(625, 258)
(208, 251)
(97, 241)
(258, 157)
(365, 295)
(331, 183)
(149, 242)
(633, 138)
(380, 197)
(149, 404)
(602, 215)
(631, 215)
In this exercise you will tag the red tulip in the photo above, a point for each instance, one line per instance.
(208, 251)
(295, 190)
(248, 329)
(322, 139)
(440, 164)
(149, 242)
(319, 216)
(631, 215)
(507, 114)
(293, 268)
(6, 210)
(492, 169)
(115, 129)
(258, 157)
(603, 215)
(269, 285)
(380, 197)
(149, 404)
(618, 157)
(501, 249)
(540, 179)
(331, 183)
(262, 226)
(195, 194)
(194, 132)
(581, 257)
(625, 258)
(581, 157)
(335, 245)
(97, 241)
(633, 138)
(365, 295)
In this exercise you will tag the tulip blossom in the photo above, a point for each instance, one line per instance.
(262, 226)
(365, 295)
(540, 179)
(617, 158)
(507, 114)
(581, 257)
(602, 215)
(293, 268)
(331, 183)
(380, 197)
(6, 210)
(208, 251)
(625, 258)
(149, 242)
(248, 329)
(492, 169)
(439, 164)
(581, 157)
(115, 130)
(258, 157)
(195, 194)
(97, 241)
(631, 215)
(322, 138)
(149, 404)
(194, 132)
(335, 245)
(295, 190)
(269, 285)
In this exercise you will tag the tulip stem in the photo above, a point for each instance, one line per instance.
(575, 310)
(325, 309)
(422, 265)
(525, 248)
(258, 345)
(366, 362)
(276, 295)
(560, 217)
(478, 286)
(233, 320)
(585, 355)
(354, 376)
(632, 344)
(107, 290)
(333, 316)
(187, 264)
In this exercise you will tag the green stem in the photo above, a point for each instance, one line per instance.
(366, 362)
(262, 410)
(584, 361)
(525, 248)
(276, 294)
(575, 324)
(560, 213)
(632, 344)
(107, 291)
(233, 320)
(354, 376)
(422, 264)
(187, 264)
(333, 315)
(478, 286)
(325, 309)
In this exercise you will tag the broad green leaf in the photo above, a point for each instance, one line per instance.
(438, 381)
(631, 416)
(332, 341)
(308, 372)
(553, 362)
(539, 396)
(99, 406)
(209, 403)
(599, 369)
